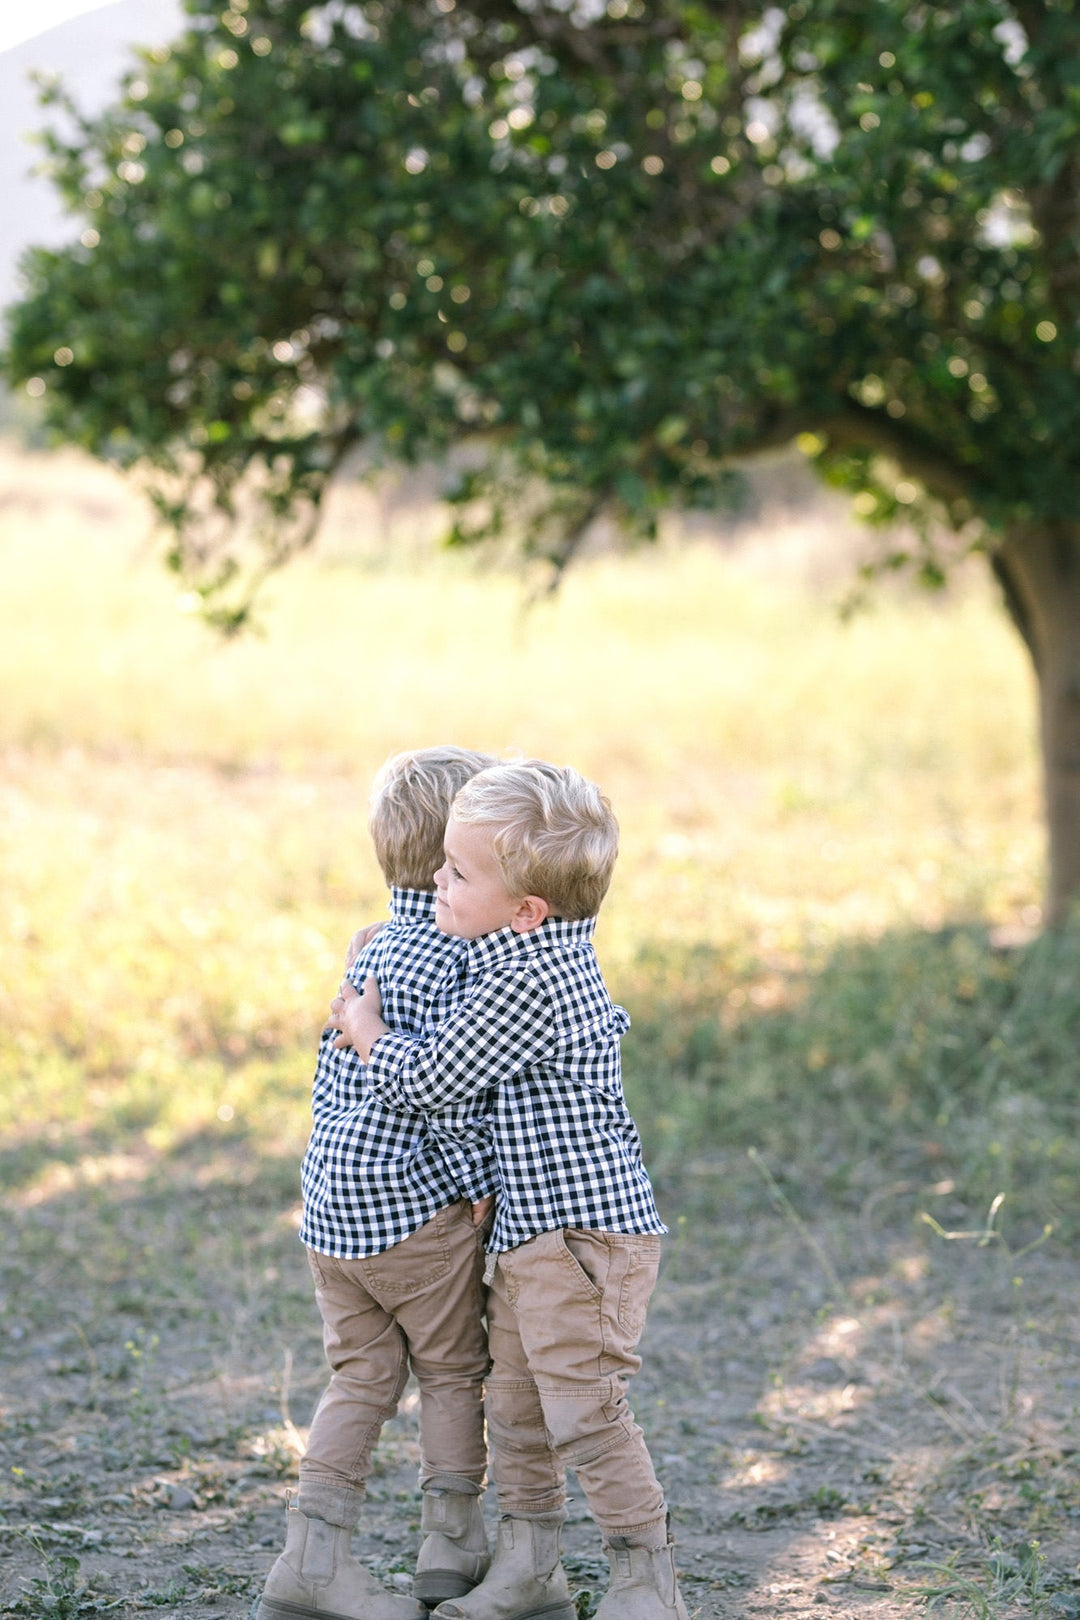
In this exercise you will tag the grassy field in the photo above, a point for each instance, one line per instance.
(824, 921)
(802, 802)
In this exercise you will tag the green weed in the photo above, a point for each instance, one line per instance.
(210, 1582)
(1006, 1580)
(60, 1592)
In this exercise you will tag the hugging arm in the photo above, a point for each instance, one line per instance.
(499, 1027)
(462, 1129)
(360, 941)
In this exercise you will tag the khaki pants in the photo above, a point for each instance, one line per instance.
(565, 1313)
(418, 1306)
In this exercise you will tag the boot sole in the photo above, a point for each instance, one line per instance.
(279, 1609)
(550, 1611)
(270, 1610)
(435, 1586)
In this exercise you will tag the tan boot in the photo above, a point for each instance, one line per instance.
(643, 1584)
(317, 1575)
(454, 1554)
(526, 1581)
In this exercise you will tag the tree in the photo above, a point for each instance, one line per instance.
(606, 251)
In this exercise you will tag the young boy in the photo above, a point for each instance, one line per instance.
(573, 1255)
(396, 1256)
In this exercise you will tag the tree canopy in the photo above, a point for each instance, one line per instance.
(606, 249)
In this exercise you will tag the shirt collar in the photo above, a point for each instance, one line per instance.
(412, 905)
(554, 933)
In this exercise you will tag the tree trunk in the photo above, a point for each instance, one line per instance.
(1039, 570)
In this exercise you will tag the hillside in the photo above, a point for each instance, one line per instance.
(90, 54)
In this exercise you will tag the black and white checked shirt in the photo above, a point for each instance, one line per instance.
(534, 1021)
(373, 1172)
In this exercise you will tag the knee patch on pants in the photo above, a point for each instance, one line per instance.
(515, 1424)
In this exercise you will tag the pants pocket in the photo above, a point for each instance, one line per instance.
(317, 1264)
(590, 1257)
(636, 1286)
(418, 1261)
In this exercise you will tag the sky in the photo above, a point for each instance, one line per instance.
(20, 23)
(89, 44)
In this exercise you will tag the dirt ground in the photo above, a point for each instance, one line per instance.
(853, 1414)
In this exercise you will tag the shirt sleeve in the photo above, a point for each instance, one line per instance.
(501, 1025)
(366, 963)
(339, 1074)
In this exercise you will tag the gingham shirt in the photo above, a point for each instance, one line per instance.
(534, 1020)
(373, 1172)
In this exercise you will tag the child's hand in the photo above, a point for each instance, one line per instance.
(482, 1209)
(362, 937)
(358, 1017)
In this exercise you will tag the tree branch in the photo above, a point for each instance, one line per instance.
(855, 427)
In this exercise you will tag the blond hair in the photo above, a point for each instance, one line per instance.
(410, 801)
(555, 834)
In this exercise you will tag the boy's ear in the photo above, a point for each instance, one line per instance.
(531, 912)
